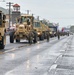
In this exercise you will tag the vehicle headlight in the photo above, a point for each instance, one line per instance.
(50, 32)
(38, 33)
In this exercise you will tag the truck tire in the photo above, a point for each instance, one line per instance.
(35, 37)
(12, 37)
(30, 39)
(35, 40)
(2, 46)
(17, 40)
(41, 37)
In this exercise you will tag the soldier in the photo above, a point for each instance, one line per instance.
(28, 21)
(68, 33)
(35, 36)
(30, 38)
(47, 36)
(58, 34)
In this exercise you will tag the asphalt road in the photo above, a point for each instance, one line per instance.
(43, 58)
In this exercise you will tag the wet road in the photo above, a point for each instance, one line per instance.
(42, 58)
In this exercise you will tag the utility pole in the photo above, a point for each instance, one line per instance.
(9, 4)
(38, 18)
(28, 11)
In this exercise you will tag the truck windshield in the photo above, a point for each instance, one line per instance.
(24, 19)
(36, 24)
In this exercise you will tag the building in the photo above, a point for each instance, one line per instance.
(15, 13)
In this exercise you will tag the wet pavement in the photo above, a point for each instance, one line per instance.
(44, 58)
(65, 65)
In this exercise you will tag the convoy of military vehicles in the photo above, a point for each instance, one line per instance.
(27, 28)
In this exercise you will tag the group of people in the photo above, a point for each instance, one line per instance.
(48, 36)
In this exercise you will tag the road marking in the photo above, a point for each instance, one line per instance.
(13, 49)
(53, 66)
(58, 58)
(9, 73)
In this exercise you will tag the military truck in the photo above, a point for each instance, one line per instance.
(41, 29)
(2, 30)
(24, 29)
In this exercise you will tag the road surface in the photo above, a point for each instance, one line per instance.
(43, 58)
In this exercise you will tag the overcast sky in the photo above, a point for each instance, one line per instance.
(57, 11)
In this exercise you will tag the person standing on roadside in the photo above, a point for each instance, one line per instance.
(47, 37)
(58, 35)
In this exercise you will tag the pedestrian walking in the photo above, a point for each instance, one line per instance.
(58, 34)
(47, 37)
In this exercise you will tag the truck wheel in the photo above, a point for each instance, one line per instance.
(41, 37)
(35, 40)
(11, 38)
(2, 46)
(17, 40)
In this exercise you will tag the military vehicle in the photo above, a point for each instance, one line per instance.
(41, 29)
(24, 29)
(2, 30)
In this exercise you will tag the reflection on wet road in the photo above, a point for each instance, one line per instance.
(38, 59)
